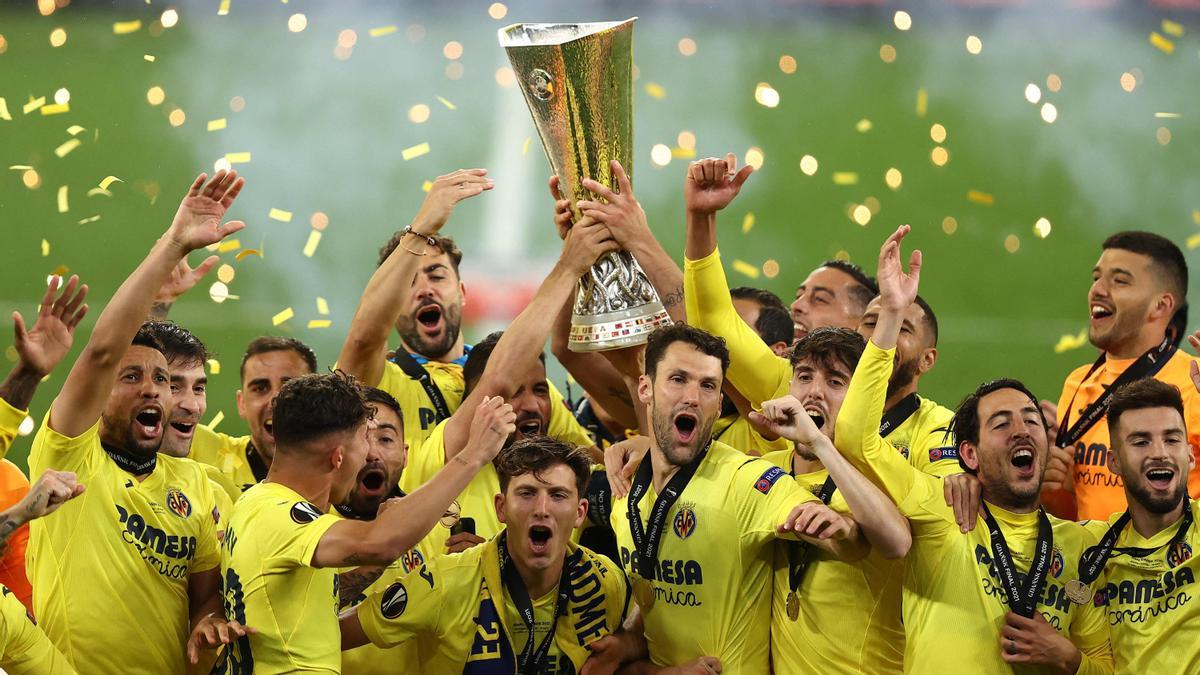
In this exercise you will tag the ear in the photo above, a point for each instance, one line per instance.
(1162, 307)
(241, 405)
(1114, 461)
(462, 290)
(645, 389)
(1191, 462)
(337, 457)
(927, 360)
(780, 348)
(969, 454)
(581, 513)
(499, 501)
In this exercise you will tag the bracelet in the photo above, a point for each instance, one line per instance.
(429, 240)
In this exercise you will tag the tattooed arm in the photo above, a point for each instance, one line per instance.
(352, 584)
(51, 491)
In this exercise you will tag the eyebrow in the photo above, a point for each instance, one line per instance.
(385, 425)
(258, 382)
(1114, 270)
(434, 267)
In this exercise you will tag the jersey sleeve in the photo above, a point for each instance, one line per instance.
(10, 422)
(1089, 633)
(222, 509)
(563, 425)
(425, 461)
(766, 495)
(208, 550)
(932, 449)
(754, 369)
(392, 380)
(410, 606)
(300, 541)
(25, 648)
(52, 450)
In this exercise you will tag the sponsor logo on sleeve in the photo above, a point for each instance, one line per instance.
(395, 601)
(766, 481)
(938, 454)
(305, 513)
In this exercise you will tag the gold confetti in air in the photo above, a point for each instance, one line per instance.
(108, 181)
(524, 147)
(1033, 93)
(229, 245)
(1172, 28)
(937, 132)
(4, 114)
(415, 151)
(1193, 241)
(949, 225)
(280, 215)
(62, 199)
(226, 273)
(27, 424)
(974, 45)
(322, 306)
(426, 186)
(237, 157)
(214, 368)
(319, 220)
(863, 126)
(1049, 113)
(893, 178)
(247, 253)
(217, 124)
(1196, 216)
(771, 269)
(98, 191)
(282, 316)
(56, 108)
(922, 102)
(861, 214)
(808, 165)
(755, 157)
(62, 150)
(45, 248)
(1042, 228)
(1167, 115)
(148, 57)
(381, 31)
(31, 179)
(660, 154)
(1163, 44)
(766, 95)
(903, 20)
(126, 27)
(939, 156)
(217, 419)
(747, 222)
(1068, 342)
(787, 64)
(981, 197)
(655, 90)
(320, 323)
(224, 8)
(683, 153)
(745, 268)
(33, 104)
(1012, 243)
(75, 129)
(446, 103)
(310, 247)
(92, 219)
(21, 167)
(219, 292)
(845, 178)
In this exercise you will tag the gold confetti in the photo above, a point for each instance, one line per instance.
(1068, 342)
(217, 124)
(4, 110)
(747, 222)
(319, 221)
(56, 108)
(282, 316)
(224, 8)
(655, 90)
(922, 102)
(1168, 115)
(415, 151)
(75, 129)
(863, 126)
(771, 269)
(845, 178)
(322, 306)
(45, 248)
(280, 215)
(1172, 28)
(808, 165)
(683, 153)
(148, 57)
(237, 157)
(60, 271)
(34, 104)
(743, 267)
(67, 147)
(446, 103)
(524, 147)
(226, 273)
(1042, 228)
(314, 238)
(766, 95)
(246, 253)
(11, 352)
(320, 323)
(426, 186)
(126, 27)
(62, 199)
(217, 419)
(108, 181)
(893, 178)
(1164, 45)
(27, 424)
(861, 214)
(1193, 241)
(214, 368)
(21, 167)
(381, 31)
(980, 197)
(85, 221)
(228, 245)
(1196, 216)
(219, 292)
(98, 191)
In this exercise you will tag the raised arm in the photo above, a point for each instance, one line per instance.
(183, 279)
(41, 348)
(364, 352)
(52, 490)
(404, 521)
(197, 224)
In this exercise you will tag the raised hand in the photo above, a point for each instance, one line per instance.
(786, 417)
(586, 241)
(621, 459)
(818, 521)
(563, 216)
(712, 183)
(493, 423)
(183, 279)
(52, 490)
(620, 211)
(198, 221)
(445, 193)
(962, 491)
(897, 288)
(43, 346)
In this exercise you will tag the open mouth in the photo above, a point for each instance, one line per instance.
(817, 416)
(685, 427)
(1160, 477)
(529, 426)
(799, 330)
(539, 539)
(1022, 459)
(269, 427)
(1100, 311)
(183, 428)
(149, 421)
(429, 316)
(373, 480)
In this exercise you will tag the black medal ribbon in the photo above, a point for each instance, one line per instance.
(798, 551)
(129, 462)
(1092, 562)
(416, 371)
(899, 414)
(1021, 599)
(530, 659)
(646, 539)
(1147, 365)
(258, 468)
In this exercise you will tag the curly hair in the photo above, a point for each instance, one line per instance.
(539, 454)
(314, 405)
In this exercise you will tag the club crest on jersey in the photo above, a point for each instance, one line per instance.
(394, 602)
(178, 503)
(685, 521)
(766, 481)
(411, 560)
(1179, 553)
(305, 513)
(1056, 563)
(903, 449)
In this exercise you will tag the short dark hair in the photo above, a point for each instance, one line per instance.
(774, 324)
(178, 343)
(311, 406)
(443, 243)
(829, 347)
(664, 337)
(1139, 395)
(762, 296)
(865, 291)
(477, 360)
(1169, 264)
(965, 425)
(539, 454)
(145, 337)
(931, 323)
(279, 343)
(378, 397)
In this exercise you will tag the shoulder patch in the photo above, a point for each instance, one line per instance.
(305, 513)
(394, 602)
(948, 452)
(766, 481)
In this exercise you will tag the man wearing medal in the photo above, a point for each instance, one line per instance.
(1145, 560)
(527, 601)
(1000, 591)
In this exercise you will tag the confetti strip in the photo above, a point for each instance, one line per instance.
(1163, 44)
(320, 323)
(310, 248)
(85, 221)
(863, 126)
(67, 147)
(62, 199)
(246, 253)
(1193, 241)
(217, 419)
(280, 215)
(980, 197)
(224, 8)
(227, 246)
(214, 125)
(56, 108)
(381, 31)
(446, 103)
(322, 306)
(415, 151)
(1196, 216)
(126, 27)
(75, 129)
(20, 167)
(426, 186)
(683, 153)
(282, 316)
(845, 178)
(237, 157)
(1068, 342)
(1172, 28)
(1167, 115)
(747, 222)
(525, 145)
(148, 57)
(922, 102)
(108, 181)
(214, 367)
(98, 191)
(34, 104)
(4, 110)
(745, 268)
(45, 248)
(656, 90)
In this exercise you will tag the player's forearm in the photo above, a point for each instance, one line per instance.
(352, 584)
(18, 388)
(881, 523)
(663, 272)
(701, 238)
(595, 373)
(382, 301)
(887, 328)
(850, 548)
(11, 519)
(526, 336)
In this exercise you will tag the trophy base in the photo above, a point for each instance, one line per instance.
(615, 330)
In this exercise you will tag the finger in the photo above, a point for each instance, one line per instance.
(75, 302)
(56, 306)
(740, 178)
(76, 318)
(192, 651)
(51, 288)
(730, 164)
(205, 267)
(223, 633)
(210, 188)
(1194, 341)
(232, 193)
(599, 189)
(554, 189)
(231, 227)
(622, 178)
(914, 265)
(20, 335)
(194, 190)
(1194, 369)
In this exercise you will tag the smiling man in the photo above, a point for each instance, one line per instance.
(527, 601)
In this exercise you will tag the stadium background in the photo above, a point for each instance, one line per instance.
(327, 113)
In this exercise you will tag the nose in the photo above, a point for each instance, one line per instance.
(541, 505)
(799, 306)
(373, 453)
(151, 389)
(691, 394)
(188, 403)
(1099, 289)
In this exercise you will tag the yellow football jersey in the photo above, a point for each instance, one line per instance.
(119, 555)
(849, 619)
(737, 432)
(713, 585)
(24, 648)
(237, 464)
(1154, 621)
(449, 608)
(925, 441)
(950, 582)
(10, 422)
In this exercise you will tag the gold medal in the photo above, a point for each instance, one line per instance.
(1078, 592)
(643, 591)
(793, 606)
